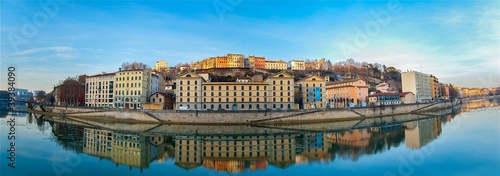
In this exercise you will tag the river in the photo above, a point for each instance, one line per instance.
(463, 141)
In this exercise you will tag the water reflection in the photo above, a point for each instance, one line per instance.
(237, 153)
(240, 153)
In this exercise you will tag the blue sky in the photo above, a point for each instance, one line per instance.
(458, 41)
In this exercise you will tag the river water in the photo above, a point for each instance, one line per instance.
(463, 141)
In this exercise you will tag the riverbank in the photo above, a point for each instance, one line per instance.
(238, 117)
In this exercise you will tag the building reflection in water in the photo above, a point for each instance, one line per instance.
(419, 133)
(242, 153)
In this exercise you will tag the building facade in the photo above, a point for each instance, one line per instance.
(341, 93)
(257, 62)
(312, 92)
(276, 65)
(274, 92)
(188, 91)
(160, 65)
(235, 61)
(132, 88)
(298, 65)
(435, 91)
(418, 83)
(221, 62)
(99, 90)
(389, 98)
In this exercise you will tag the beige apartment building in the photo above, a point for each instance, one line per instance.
(235, 61)
(298, 65)
(341, 93)
(132, 88)
(99, 90)
(312, 92)
(193, 92)
(418, 83)
(435, 91)
(276, 65)
(160, 65)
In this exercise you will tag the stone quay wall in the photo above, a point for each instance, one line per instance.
(246, 117)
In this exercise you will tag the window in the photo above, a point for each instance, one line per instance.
(242, 93)
(288, 82)
(274, 82)
(180, 83)
(189, 82)
(281, 82)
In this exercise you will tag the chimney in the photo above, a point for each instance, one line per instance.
(120, 69)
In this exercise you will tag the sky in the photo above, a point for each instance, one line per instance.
(48, 41)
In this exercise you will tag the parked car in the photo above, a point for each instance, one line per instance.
(221, 109)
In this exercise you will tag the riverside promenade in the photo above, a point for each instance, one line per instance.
(239, 117)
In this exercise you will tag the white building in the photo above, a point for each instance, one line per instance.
(298, 65)
(418, 83)
(99, 90)
(161, 65)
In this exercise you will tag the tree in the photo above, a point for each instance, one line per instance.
(72, 91)
(50, 98)
(40, 96)
(454, 93)
(134, 65)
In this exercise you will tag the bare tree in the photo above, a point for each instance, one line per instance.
(40, 96)
(134, 65)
